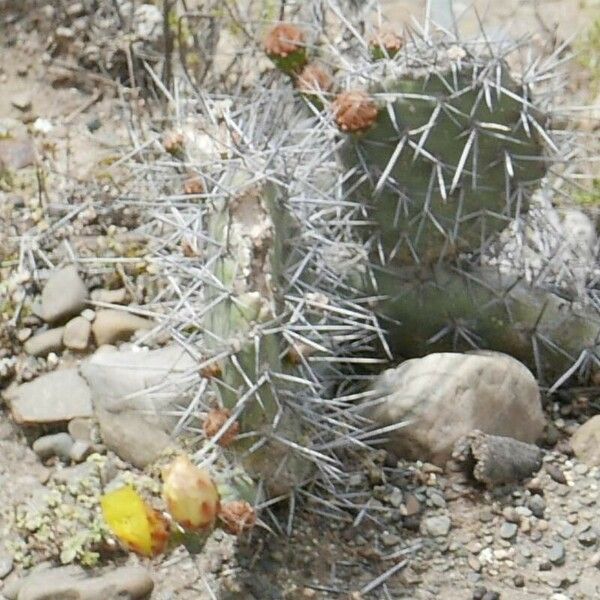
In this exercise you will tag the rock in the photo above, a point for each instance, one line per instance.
(81, 429)
(111, 326)
(588, 537)
(51, 398)
(76, 334)
(63, 296)
(556, 555)
(17, 153)
(80, 450)
(537, 506)
(110, 296)
(437, 526)
(445, 396)
(125, 583)
(44, 343)
(6, 565)
(21, 102)
(508, 530)
(58, 444)
(122, 381)
(586, 442)
(131, 437)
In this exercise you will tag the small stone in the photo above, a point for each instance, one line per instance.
(508, 531)
(485, 515)
(545, 566)
(6, 565)
(81, 429)
(396, 498)
(118, 296)
(44, 343)
(479, 592)
(88, 314)
(24, 334)
(412, 506)
(519, 581)
(58, 444)
(111, 326)
(595, 560)
(566, 531)
(555, 473)
(80, 450)
(581, 469)
(389, 539)
(511, 515)
(21, 102)
(437, 526)
(489, 595)
(76, 333)
(588, 537)
(557, 554)
(474, 564)
(16, 153)
(64, 295)
(537, 505)
(586, 442)
(523, 512)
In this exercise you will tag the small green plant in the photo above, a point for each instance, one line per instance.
(589, 54)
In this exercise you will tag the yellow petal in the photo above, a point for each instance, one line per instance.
(126, 515)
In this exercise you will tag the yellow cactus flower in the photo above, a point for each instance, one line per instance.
(138, 527)
(190, 493)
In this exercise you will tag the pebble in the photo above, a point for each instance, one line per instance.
(81, 429)
(110, 296)
(389, 539)
(519, 581)
(80, 450)
(44, 343)
(588, 537)
(57, 444)
(16, 153)
(111, 326)
(88, 314)
(6, 565)
(437, 526)
(566, 531)
(76, 334)
(412, 506)
(64, 295)
(537, 505)
(21, 102)
(508, 531)
(24, 334)
(557, 554)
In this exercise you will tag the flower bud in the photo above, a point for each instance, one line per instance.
(285, 46)
(354, 111)
(191, 496)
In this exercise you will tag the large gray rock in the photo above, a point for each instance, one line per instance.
(64, 295)
(135, 394)
(444, 396)
(73, 583)
(51, 398)
(586, 442)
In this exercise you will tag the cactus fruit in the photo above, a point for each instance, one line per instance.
(285, 45)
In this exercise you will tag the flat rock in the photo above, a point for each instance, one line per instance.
(64, 295)
(73, 583)
(444, 396)
(151, 382)
(17, 153)
(51, 398)
(132, 438)
(44, 343)
(437, 526)
(76, 334)
(111, 326)
(21, 101)
(586, 442)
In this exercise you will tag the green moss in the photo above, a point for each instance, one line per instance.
(591, 196)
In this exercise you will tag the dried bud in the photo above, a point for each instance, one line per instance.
(159, 531)
(314, 79)
(296, 354)
(354, 110)
(237, 517)
(212, 370)
(284, 43)
(214, 422)
(173, 142)
(193, 185)
(385, 44)
(190, 493)
(284, 39)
